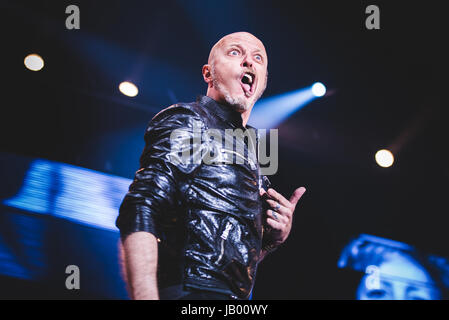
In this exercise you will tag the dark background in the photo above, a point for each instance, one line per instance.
(385, 90)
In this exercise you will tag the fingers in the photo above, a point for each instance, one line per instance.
(282, 210)
(297, 195)
(277, 217)
(279, 198)
(276, 225)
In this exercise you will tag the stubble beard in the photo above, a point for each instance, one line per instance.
(239, 104)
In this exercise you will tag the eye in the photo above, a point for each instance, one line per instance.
(234, 52)
(258, 57)
(376, 294)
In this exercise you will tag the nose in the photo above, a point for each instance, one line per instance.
(247, 62)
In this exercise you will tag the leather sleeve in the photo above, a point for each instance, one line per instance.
(155, 189)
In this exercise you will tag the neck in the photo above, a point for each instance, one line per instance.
(245, 114)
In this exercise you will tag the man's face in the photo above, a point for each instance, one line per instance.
(238, 70)
(400, 278)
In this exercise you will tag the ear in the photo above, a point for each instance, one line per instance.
(207, 76)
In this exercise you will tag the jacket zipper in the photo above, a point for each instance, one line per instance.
(224, 237)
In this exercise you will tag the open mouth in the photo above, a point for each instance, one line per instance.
(248, 80)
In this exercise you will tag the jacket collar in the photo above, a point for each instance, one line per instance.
(223, 111)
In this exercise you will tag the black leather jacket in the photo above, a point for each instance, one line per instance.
(207, 217)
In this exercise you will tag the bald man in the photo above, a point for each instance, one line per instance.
(197, 229)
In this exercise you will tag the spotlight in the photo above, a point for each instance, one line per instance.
(318, 89)
(34, 62)
(128, 89)
(384, 158)
(268, 113)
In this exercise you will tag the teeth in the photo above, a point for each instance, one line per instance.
(249, 77)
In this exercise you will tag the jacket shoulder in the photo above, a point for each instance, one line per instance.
(180, 110)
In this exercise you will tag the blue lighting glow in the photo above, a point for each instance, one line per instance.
(270, 112)
(391, 270)
(77, 194)
(318, 89)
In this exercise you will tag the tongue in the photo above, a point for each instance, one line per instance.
(246, 86)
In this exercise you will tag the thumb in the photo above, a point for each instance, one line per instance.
(297, 195)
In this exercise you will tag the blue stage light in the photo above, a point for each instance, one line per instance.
(77, 194)
(270, 112)
(318, 89)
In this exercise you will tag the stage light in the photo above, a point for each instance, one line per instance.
(268, 113)
(384, 158)
(34, 62)
(318, 89)
(69, 192)
(128, 89)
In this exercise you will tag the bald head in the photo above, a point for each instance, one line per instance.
(236, 36)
